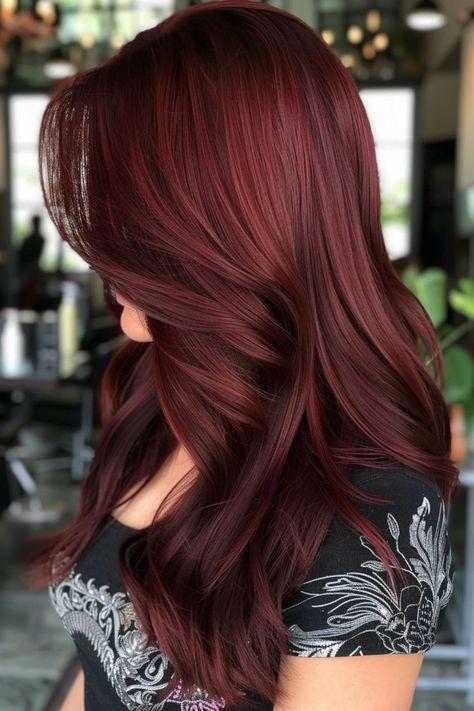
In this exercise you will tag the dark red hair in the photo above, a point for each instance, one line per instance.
(219, 171)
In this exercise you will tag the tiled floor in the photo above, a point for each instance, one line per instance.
(34, 651)
(437, 701)
(34, 648)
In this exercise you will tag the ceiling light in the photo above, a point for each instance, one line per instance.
(354, 34)
(117, 40)
(328, 36)
(426, 16)
(368, 50)
(372, 20)
(381, 41)
(347, 60)
(47, 10)
(7, 8)
(58, 69)
(58, 65)
(87, 40)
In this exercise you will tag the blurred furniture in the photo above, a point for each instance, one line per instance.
(5, 494)
(53, 426)
(61, 446)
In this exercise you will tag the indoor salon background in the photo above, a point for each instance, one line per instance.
(414, 66)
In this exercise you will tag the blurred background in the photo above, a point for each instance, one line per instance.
(414, 65)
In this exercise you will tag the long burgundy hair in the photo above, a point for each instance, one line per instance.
(219, 171)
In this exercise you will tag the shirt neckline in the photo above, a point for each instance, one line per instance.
(124, 526)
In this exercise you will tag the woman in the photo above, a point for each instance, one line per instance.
(264, 522)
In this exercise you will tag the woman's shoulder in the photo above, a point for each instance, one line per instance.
(346, 605)
(411, 504)
(403, 481)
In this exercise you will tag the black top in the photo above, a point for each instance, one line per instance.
(345, 607)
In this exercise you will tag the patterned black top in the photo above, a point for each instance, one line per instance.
(344, 608)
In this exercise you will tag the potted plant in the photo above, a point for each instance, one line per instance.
(430, 286)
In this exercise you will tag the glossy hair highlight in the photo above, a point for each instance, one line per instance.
(219, 171)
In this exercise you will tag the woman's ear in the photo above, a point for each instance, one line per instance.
(132, 323)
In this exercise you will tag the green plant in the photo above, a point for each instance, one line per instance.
(430, 286)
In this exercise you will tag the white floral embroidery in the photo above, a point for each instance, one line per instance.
(108, 622)
(360, 604)
(356, 604)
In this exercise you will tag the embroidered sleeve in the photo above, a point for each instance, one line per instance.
(346, 606)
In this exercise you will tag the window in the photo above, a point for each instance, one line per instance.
(391, 115)
(25, 113)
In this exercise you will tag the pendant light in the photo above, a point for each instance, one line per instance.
(426, 16)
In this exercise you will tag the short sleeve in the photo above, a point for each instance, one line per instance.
(346, 606)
